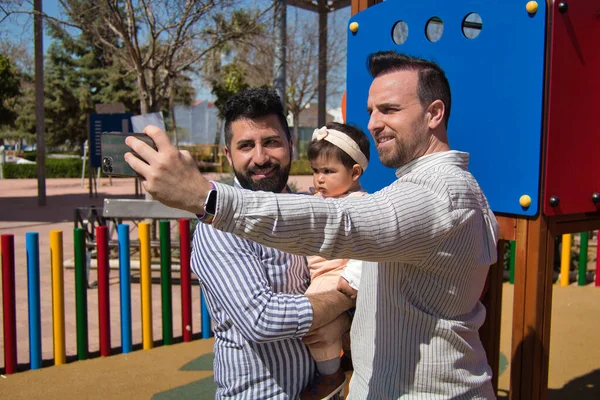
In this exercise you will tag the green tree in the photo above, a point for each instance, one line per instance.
(104, 78)
(159, 44)
(255, 57)
(231, 80)
(158, 41)
(67, 98)
(10, 89)
(80, 75)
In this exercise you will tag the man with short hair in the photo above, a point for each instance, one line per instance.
(428, 238)
(255, 293)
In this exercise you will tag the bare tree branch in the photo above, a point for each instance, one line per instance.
(154, 39)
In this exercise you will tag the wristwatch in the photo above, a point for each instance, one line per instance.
(210, 205)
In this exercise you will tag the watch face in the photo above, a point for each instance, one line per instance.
(211, 202)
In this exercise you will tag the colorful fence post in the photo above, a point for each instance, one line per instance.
(164, 228)
(185, 254)
(81, 316)
(565, 259)
(146, 284)
(58, 301)
(9, 303)
(103, 289)
(583, 250)
(32, 245)
(125, 287)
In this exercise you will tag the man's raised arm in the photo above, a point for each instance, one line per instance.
(377, 227)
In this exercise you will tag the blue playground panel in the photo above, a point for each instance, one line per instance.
(497, 82)
(98, 123)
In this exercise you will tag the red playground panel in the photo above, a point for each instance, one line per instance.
(572, 183)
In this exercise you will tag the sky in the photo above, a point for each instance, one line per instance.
(21, 29)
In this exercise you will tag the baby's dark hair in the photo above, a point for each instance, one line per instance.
(322, 148)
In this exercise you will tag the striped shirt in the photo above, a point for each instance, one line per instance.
(428, 239)
(255, 297)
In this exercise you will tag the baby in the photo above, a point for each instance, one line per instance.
(338, 156)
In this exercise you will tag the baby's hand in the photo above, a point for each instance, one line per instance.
(344, 287)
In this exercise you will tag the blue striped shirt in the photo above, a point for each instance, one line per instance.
(255, 295)
(428, 239)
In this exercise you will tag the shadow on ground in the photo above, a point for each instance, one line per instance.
(203, 389)
(586, 387)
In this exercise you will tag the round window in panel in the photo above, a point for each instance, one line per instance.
(471, 25)
(434, 29)
(400, 32)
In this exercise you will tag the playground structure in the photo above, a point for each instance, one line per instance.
(524, 77)
(574, 258)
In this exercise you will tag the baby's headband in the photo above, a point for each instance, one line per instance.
(342, 141)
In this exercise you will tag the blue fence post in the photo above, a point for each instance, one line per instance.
(125, 287)
(32, 245)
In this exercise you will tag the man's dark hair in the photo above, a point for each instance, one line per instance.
(432, 85)
(253, 103)
(322, 148)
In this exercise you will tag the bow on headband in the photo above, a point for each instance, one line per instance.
(342, 141)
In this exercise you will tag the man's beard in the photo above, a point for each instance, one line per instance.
(400, 155)
(405, 149)
(275, 183)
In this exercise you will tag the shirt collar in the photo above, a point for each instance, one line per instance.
(423, 163)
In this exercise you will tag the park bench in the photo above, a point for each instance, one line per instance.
(118, 211)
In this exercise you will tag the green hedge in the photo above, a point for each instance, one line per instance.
(30, 155)
(71, 168)
(301, 167)
(55, 168)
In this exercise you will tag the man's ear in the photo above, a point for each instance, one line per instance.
(228, 155)
(435, 113)
(356, 172)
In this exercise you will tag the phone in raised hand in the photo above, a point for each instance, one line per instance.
(113, 149)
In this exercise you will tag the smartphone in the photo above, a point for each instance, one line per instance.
(113, 149)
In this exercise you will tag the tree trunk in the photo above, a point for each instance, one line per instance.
(172, 111)
(322, 105)
(296, 134)
(219, 128)
(144, 94)
(279, 62)
(40, 122)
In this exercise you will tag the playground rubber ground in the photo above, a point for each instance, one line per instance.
(183, 370)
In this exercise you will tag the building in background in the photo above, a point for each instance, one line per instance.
(197, 123)
(308, 121)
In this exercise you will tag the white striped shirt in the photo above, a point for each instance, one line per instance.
(430, 238)
(255, 297)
